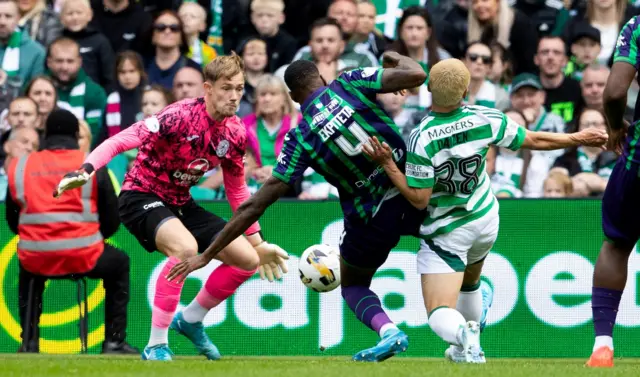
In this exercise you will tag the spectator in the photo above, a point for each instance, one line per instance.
(393, 103)
(608, 16)
(124, 105)
(22, 59)
(39, 21)
(267, 16)
(506, 180)
(194, 18)
(563, 93)
(478, 59)
(452, 28)
(23, 113)
(557, 185)
(274, 116)
(325, 47)
(491, 20)
(417, 41)
(154, 99)
(345, 12)
(501, 72)
(528, 97)
(97, 55)
(585, 48)
(42, 90)
(75, 90)
(82, 219)
(169, 52)
(21, 142)
(589, 160)
(188, 83)
(545, 15)
(366, 32)
(254, 54)
(592, 86)
(123, 22)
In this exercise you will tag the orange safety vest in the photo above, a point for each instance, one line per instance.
(57, 236)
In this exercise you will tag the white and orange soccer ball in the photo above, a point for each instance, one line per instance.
(319, 268)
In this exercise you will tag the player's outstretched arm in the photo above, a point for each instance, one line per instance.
(247, 213)
(382, 154)
(401, 72)
(591, 137)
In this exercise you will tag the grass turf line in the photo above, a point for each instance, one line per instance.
(101, 366)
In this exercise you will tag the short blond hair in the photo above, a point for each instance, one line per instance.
(202, 13)
(561, 179)
(67, 3)
(225, 66)
(448, 80)
(275, 5)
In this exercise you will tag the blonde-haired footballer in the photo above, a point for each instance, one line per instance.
(446, 174)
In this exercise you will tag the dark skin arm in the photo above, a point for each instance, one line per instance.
(401, 72)
(615, 103)
(248, 213)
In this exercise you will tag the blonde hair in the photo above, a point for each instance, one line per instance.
(273, 82)
(501, 24)
(562, 179)
(621, 7)
(67, 3)
(202, 13)
(225, 66)
(448, 81)
(275, 5)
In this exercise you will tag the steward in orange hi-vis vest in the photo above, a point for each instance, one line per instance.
(57, 236)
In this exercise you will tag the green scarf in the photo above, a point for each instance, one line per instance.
(215, 31)
(75, 103)
(11, 60)
(584, 161)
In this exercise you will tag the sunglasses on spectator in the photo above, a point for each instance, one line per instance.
(162, 27)
(474, 57)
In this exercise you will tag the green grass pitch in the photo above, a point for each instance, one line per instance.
(100, 366)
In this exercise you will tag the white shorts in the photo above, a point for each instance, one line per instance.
(468, 244)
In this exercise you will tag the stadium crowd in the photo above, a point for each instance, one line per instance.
(114, 62)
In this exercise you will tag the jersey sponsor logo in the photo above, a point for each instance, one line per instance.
(324, 112)
(281, 158)
(152, 124)
(195, 171)
(222, 148)
(153, 205)
(418, 171)
(369, 71)
(371, 177)
(336, 123)
(440, 132)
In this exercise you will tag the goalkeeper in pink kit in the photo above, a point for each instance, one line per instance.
(176, 147)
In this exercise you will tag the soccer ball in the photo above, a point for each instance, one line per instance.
(319, 268)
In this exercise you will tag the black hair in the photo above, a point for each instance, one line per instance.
(300, 74)
(326, 21)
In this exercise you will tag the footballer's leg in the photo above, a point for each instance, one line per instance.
(620, 206)
(240, 262)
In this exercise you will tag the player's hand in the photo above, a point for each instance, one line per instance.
(592, 137)
(272, 261)
(378, 152)
(616, 139)
(71, 181)
(390, 59)
(180, 271)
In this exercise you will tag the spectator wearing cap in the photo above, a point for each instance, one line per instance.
(123, 22)
(528, 97)
(562, 93)
(98, 59)
(495, 20)
(80, 220)
(76, 91)
(267, 16)
(39, 21)
(353, 55)
(585, 48)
